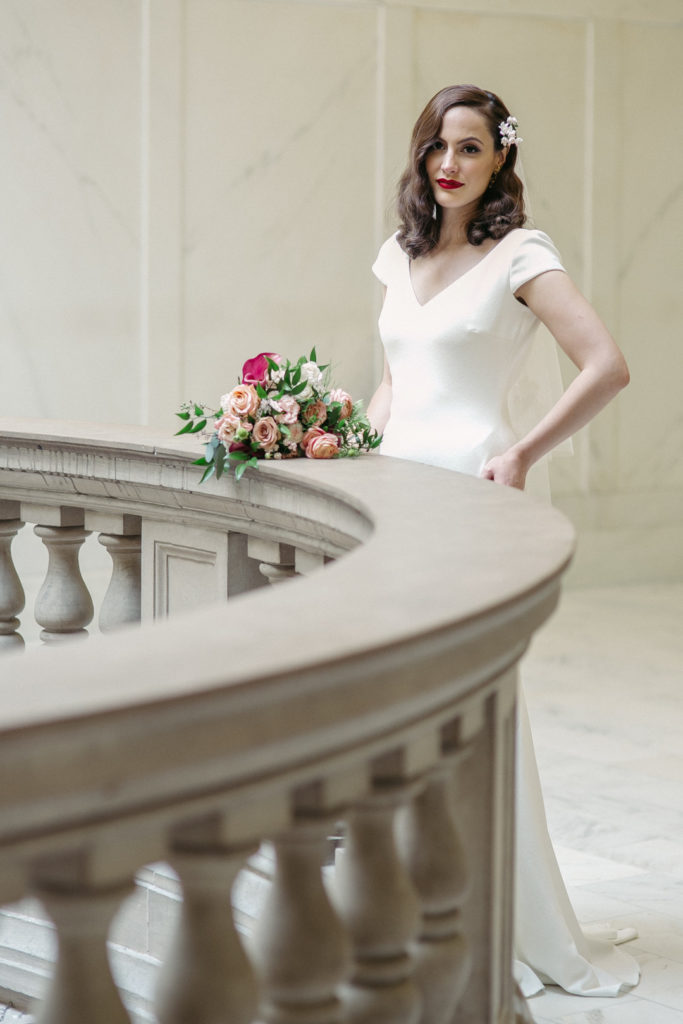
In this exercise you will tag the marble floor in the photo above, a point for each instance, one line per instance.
(604, 682)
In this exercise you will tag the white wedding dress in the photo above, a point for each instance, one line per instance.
(454, 361)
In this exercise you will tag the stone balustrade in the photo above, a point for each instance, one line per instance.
(372, 696)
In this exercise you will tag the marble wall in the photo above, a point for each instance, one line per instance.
(185, 182)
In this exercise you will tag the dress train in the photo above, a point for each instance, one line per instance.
(550, 945)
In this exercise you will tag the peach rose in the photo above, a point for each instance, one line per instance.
(241, 401)
(310, 434)
(226, 427)
(296, 433)
(345, 400)
(326, 446)
(315, 413)
(266, 434)
(289, 409)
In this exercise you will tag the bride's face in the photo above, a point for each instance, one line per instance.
(462, 160)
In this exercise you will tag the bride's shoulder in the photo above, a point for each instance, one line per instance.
(530, 243)
(389, 258)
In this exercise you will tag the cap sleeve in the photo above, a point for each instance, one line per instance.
(388, 259)
(534, 255)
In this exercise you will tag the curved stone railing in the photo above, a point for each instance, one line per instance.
(378, 693)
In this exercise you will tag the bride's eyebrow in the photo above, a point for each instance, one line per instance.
(471, 138)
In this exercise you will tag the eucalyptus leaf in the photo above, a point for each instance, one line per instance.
(209, 471)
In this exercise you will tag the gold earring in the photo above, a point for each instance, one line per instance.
(492, 180)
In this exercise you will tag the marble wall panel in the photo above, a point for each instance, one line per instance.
(280, 188)
(651, 257)
(69, 291)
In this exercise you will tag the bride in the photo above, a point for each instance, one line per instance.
(465, 286)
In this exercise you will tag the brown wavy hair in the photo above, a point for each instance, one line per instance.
(500, 209)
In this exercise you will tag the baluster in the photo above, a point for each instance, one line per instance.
(82, 988)
(121, 603)
(431, 849)
(377, 901)
(63, 605)
(207, 977)
(301, 949)
(11, 591)
(277, 562)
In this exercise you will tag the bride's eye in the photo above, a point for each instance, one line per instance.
(438, 145)
(470, 148)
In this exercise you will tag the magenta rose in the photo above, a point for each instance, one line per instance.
(255, 371)
(266, 434)
(326, 446)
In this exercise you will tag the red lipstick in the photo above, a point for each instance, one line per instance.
(447, 183)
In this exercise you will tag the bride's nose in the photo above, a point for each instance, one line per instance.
(448, 161)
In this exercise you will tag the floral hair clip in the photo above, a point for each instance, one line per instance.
(508, 133)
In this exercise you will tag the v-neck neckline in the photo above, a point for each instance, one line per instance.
(423, 305)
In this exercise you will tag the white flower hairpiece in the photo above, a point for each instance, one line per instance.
(508, 133)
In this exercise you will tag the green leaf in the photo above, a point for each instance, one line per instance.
(296, 377)
(219, 460)
(272, 365)
(313, 357)
(198, 426)
(261, 391)
(238, 456)
(187, 429)
(209, 471)
(201, 462)
(198, 411)
(183, 415)
(298, 388)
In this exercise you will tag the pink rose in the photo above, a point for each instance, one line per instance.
(326, 446)
(242, 401)
(226, 427)
(310, 434)
(255, 371)
(266, 434)
(289, 409)
(345, 400)
(315, 413)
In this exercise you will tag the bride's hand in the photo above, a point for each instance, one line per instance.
(508, 469)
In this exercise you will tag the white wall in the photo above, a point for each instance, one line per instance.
(187, 182)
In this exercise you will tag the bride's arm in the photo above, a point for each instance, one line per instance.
(379, 407)
(580, 332)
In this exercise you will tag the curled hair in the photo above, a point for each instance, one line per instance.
(500, 209)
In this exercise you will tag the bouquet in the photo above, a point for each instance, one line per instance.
(279, 410)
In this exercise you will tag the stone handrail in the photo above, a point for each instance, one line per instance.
(378, 692)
